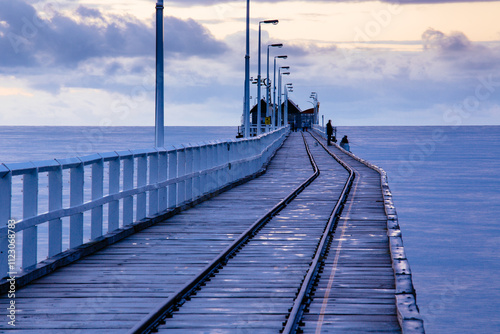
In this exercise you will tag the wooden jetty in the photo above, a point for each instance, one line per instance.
(312, 245)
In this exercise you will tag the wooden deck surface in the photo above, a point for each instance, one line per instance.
(114, 288)
(109, 291)
(253, 292)
(356, 293)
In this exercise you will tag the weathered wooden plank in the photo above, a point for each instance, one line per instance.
(356, 291)
(161, 258)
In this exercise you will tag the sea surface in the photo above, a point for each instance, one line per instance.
(446, 187)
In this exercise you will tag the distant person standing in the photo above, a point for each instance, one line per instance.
(329, 132)
(344, 143)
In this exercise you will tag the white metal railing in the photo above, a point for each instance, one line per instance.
(320, 129)
(155, 179)
(263, 129)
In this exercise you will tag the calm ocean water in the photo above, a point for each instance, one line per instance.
(30, 143)
(446, 187)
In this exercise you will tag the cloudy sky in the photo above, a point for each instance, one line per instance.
(89, 62)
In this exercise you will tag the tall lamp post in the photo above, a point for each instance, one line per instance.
(259, 108)
(274, 89)
(314, 96)
(159, 98)
(288, 88)
(279, 91)
(246, 95)
(268, 85)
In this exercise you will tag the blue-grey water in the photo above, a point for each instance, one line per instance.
(30, 143)
(446, 187)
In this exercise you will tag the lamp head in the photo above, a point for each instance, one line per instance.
(285, 73)
(271, 21)
(285, 67)
(281, 57)
(278, 45)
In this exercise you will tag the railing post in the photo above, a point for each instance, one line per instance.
(216, 155)
(128, 184)
(203, 166)
(30, 209)
(5, 216)
(241, 155)
(226, 148)
(251, 154)
(196, 168)
(76, 198)
(114, 188)
(172, 174)
(142, 179)
(162, 176)
(246, 154)
(235, 156)
(55, 203)
(97, 192)
(220, 161)
(230, 149)
(189, 170)
(153, 179)
(261, 145)
(211, 177)
(181, 171)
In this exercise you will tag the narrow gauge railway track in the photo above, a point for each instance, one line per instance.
(251, 286)
(350, 287)
(309, 283)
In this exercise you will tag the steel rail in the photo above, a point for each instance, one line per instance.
(157, 316)
(303, 297)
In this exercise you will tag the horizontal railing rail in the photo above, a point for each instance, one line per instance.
(141, 182)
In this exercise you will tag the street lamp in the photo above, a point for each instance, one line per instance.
(314, 96)
(274, 88)
(279, 91)
(259, 111)
(288, 88)
(246, 95)
(268, 84)
(159, 97)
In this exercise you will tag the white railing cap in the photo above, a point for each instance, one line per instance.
(20, 168)
(47, 165)
(171, 149)
(140, 152)
(152, 151)
(69, 162)
(90, 159)
(107, 156)
(144, 151)
(197, 145)
(4, 170)
(161, 150)
(125, 154)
